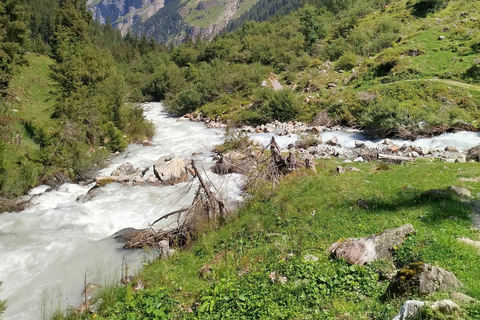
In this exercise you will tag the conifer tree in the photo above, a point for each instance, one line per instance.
(13, 35)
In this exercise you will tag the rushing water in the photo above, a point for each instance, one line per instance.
(45, 251)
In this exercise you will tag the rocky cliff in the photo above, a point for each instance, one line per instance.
(169, 20)
(123, 14)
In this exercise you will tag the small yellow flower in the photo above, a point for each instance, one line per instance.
(395, 248)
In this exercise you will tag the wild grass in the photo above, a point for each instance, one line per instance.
(304, 217)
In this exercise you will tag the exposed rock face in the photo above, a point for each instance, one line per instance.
(410, 310)
(368, 249)
(422, 279)
(170, 170)
(123, 14)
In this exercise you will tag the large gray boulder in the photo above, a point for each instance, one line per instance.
(410, 310)
(421, 279)
(368, 249)
(170, 170)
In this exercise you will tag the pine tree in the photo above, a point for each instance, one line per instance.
(13, 36)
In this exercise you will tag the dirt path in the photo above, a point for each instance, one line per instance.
(445, 81)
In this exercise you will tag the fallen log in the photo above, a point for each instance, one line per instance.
(394, 158)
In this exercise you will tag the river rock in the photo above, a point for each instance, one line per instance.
(451, 149)
(340, 170)
(410, 310)
(126, 234)
(447, 307)
(474, 153)
(333, 141)
(368, 249)
(124, 169)
(421, 279)
(317, 130)
(393, 148)
(56, 180)
(424, 151)
(359, 144)
(170, 170)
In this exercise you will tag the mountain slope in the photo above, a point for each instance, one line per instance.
(171, 20)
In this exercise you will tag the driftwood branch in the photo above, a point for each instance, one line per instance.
(170, 214)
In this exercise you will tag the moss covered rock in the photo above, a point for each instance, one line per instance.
(420, 278)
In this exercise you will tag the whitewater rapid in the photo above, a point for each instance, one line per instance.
(46, 250)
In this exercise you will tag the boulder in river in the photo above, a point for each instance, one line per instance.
(124, 169)
(368, 249)
(421, 279)
(126, 234)
(170, 170)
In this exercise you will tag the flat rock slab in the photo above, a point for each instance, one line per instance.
(368, 249)
(421, 279)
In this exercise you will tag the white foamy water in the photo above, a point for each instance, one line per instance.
(462, 140)
(46, 250)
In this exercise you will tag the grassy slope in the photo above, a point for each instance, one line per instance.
(31, 86)
(306, 215)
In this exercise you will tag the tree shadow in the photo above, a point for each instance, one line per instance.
(441, 204)
(422, 8)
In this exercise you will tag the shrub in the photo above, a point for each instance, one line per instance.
(472, 74)
(346, 62)
(282, 105)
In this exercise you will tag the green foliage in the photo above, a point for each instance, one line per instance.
(472, 74)
(233, 140)
(281, 105)
(145, 304)
(13, 35)
(3, 305)
(346, 62)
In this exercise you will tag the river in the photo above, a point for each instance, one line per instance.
(47, 250)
